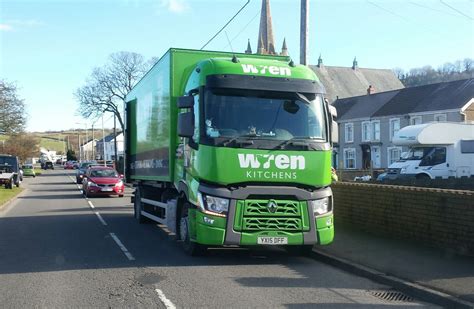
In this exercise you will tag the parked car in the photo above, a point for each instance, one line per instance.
(28, 170)
(102, 180)
(69, 165)
(82, 170)
(9, 171)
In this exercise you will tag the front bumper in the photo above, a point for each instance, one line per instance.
(235, 230)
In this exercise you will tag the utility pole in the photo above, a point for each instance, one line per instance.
(115, 143)
(93, 143)
(103, 140)
(304, 32)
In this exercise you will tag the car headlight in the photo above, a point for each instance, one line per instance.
(213, 204)
(320, 206)
(119, 184)
(91, 184)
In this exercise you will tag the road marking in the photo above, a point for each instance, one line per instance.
(90, 204)
(122, 247)
(100, 218)
(168, 304)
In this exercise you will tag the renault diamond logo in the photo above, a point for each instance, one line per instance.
(272, 206)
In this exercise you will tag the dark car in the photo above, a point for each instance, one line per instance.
(47, 165)
(9, 171)
(102, 180)
(82, 170)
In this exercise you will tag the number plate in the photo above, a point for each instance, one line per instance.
(107, 189)
(272, 240)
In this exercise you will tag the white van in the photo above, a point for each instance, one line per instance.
(437, 149)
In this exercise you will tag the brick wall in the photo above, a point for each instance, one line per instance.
(437, 217)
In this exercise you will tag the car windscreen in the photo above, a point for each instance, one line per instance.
(104, 173)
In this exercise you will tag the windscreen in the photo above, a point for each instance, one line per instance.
(273, 116)
(104, 173)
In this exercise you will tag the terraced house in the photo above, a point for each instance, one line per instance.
(368, 122)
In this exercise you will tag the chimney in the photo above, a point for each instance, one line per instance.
(355, 66)
(320, 62)
(370, 90)
(249, 49)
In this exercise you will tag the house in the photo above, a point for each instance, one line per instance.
(109, 142)
(87, 151)
(368, 122)
(344, 82)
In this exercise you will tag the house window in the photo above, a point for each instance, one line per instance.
(376, 130)
(414, 120)
(366, 131)
(349, 158)
(394, 154)
(440, 117)
(349, 132)
(394, 127)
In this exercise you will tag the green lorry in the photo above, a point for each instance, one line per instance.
(232, 149)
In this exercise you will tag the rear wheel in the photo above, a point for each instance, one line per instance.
(138, 207)
(190, 247)
(422, 177)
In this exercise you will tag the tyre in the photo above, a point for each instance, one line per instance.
(120, 195)
(302, 250)
(190, 247)
(137, 208)
(423, 177)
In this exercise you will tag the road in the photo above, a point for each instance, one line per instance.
(59, 249)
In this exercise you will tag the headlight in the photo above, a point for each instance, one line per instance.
(119, 184)
(91, 184)
(320, 206)
(403, 170)
(213, 204)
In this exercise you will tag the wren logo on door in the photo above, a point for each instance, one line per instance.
(260, 166)
(264, 69)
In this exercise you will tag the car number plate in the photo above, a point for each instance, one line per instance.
(106, 189)
(272, 240)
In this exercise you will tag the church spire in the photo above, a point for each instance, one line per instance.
(266, 42)
(284, 49)
(249, 48)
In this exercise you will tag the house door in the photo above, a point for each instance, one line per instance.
(365, 156)
(375, 156)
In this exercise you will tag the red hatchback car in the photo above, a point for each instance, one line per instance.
(102, 180)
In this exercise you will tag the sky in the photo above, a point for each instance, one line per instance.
(50, 47)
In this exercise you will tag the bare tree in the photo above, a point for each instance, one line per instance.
(22, 145)
(12, 109)
(107, 86)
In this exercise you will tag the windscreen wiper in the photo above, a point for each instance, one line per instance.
(296, 141)
(241, 142)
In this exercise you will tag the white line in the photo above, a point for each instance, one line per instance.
(90, 204)
(100, 218)
(168, 304)
(122, 247)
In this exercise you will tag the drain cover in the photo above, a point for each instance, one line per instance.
(392, 296)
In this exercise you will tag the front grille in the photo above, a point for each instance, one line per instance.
(283, 208)
(262, 224)
(106, 185)
(265, 215)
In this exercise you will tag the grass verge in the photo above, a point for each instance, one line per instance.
(8, 194)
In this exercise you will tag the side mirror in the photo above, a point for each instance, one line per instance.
(186, 101)
(186, 124)
(334, 126)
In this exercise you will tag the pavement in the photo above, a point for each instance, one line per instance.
(433, 274)
(61, 250)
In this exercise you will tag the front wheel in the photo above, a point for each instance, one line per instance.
(190, 247)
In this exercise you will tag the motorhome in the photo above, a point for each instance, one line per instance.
(437, 149)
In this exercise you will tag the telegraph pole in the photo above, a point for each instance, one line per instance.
(304, 32)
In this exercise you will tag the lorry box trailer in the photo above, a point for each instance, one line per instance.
(231, 149)
(437, 149)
